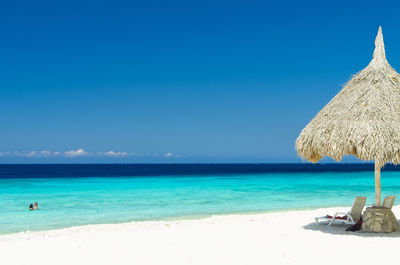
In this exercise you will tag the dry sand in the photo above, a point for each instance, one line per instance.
(269, 238)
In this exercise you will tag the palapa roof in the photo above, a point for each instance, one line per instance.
(363, 119)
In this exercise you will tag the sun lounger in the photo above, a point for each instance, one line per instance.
(388, 201)
(346, 218)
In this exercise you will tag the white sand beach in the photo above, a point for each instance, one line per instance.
(270, 238)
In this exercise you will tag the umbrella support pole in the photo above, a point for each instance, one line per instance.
(377, 185)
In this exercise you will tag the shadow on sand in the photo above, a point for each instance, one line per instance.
(341, 230)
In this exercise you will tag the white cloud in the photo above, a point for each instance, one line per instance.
(79, 153)
(45, 153)
(73, 153)
(27, 153)
(112, 153)
(31, 153)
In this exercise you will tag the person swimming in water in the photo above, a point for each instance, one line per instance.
(34, 206)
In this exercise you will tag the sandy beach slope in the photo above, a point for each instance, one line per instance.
(270, 238)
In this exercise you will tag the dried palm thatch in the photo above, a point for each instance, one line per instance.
(363, 119)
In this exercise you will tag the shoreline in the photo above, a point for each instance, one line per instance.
(188, 219)
(155, 223)
(179, 218)
(289, 237)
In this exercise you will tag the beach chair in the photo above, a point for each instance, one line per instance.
(347, 218)
(388, 201)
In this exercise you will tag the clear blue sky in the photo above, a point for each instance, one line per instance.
(176, 81)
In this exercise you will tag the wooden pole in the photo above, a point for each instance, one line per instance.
(377, 185)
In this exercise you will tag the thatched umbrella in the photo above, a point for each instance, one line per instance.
(363, 119)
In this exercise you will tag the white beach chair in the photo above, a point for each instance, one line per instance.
(388, 201)
(348, 218)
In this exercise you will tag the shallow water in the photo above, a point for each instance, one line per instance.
(70, 201)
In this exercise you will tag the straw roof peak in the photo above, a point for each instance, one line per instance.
(379, 55)
(363, 119)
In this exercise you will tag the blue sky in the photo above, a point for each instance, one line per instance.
(176, 81)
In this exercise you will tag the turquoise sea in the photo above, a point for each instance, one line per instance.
(67, 197)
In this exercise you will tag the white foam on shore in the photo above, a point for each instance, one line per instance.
(289, 237)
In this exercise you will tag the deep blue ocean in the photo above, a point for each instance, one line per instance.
(77, 194)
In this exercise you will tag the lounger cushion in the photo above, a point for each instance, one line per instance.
(337, 217)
